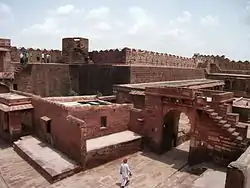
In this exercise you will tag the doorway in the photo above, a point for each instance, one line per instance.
(176, 129)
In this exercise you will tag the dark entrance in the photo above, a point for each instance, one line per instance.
(175, 131)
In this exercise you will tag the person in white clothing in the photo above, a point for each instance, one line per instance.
(125, 173)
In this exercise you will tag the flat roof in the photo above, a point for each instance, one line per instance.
(112, 139)
(178, 83)
(11, 96)
(241, 102)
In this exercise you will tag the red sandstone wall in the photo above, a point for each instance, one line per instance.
(66, 136)
(44, 79)
(141, 74)
(136, 122)
(55, 55)
(117, 119)
(133, 56)
(225, 65)
(108, 56)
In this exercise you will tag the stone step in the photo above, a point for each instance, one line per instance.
(226, 126)
(231, 130)
(239, 138)
(236, 134)
(213, 114)
(217, 118)
(210, 110)
(222, 122)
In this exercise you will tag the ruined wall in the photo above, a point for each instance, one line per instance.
(94, 78)
(117, 119)
(35, 55)
(141, 74)
(43, 79)
(64, 136)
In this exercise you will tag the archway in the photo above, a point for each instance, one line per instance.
(176, 129)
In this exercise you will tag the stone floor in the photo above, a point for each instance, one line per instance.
(149, 171)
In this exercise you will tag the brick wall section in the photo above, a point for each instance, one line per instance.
(118, 116)
(65, 136)
(104, 155)
(93, 78)
(35, 54)
(44, 79)
(140, 74)
(136, 121)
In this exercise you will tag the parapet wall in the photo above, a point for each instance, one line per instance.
(224, 64)
(5, 43)
(35, 55)
(142, 57)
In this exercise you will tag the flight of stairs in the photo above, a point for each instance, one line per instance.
(18, 68)
(236, 140)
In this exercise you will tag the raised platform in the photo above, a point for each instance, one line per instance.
(52, 164)
(107, 148)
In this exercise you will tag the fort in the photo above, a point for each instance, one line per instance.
(69, 115)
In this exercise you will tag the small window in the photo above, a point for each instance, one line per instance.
(15, 86)
(103, 121)
(48, 126)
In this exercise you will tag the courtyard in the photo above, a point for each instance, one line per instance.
(149, 171)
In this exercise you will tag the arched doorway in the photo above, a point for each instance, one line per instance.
(176, 129)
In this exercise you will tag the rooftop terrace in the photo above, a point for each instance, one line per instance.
(199, 83)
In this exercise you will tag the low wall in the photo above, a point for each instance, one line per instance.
(238, 172)
(106, 154)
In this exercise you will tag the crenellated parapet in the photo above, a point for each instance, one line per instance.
(141, 57)
(112, 56)
(35, 55)
(223, 63)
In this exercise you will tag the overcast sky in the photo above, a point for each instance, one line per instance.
(180, 27)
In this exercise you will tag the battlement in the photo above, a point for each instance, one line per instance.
(142, 57)
(224, 63)
(35, 54)
(5, 43)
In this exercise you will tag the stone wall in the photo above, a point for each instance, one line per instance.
(238, 172)
(117, 115)
(142, 74)
(136, 123)
(75, 50)
(106, 154)
(44, 79)
(5, 43)
(135, 56)
(94, 78)
(35, 55)
(223, 64)
(64, 136)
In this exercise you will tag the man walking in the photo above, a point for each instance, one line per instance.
(125, 173)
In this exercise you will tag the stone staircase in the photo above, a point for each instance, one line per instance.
(18, 68)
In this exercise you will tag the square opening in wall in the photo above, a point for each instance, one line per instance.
(103, 121)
